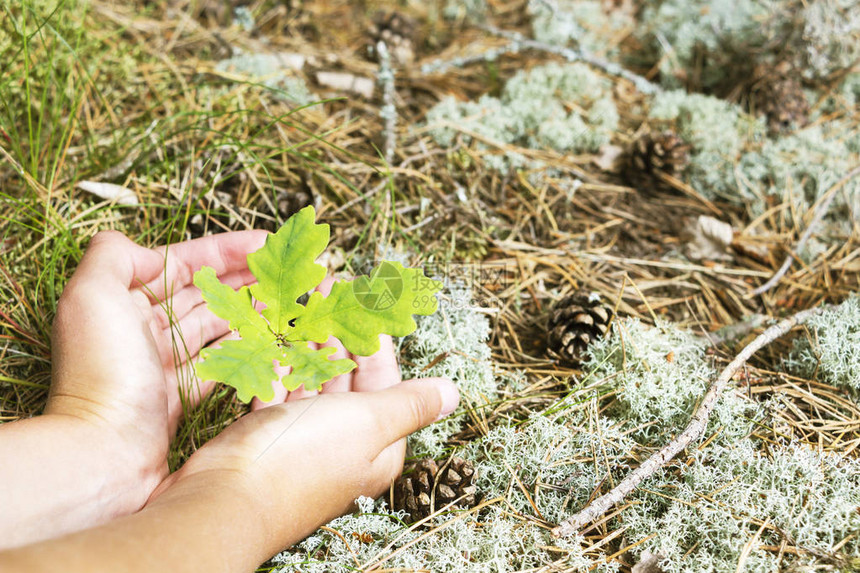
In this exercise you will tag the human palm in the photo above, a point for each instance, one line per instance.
(128, 326)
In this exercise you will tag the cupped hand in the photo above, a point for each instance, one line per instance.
(128, 326)
(304, 462)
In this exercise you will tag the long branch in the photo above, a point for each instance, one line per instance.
(642, 84)
(389, 110)
(517, 42)
(692, 432)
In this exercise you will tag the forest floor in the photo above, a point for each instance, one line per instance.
(155, 98)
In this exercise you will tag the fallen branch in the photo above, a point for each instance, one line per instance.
(517, 42)
(642, 84)
(443, 66)
(816, 219)
(692, 432)
(737, 330)
(388, 111)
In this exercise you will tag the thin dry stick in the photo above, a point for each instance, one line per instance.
(816, 219)
(443, 66)
(389, 111)
(692, 432)
(571, 55)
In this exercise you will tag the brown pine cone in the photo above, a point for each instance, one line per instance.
(575, 322)
(398, 31)
(779, 96)
(422, 489)
(657, 151)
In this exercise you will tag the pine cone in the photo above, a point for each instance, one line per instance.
(398, 32)
(779, 96)
(574, 322)
(657, 151)
(421, 489)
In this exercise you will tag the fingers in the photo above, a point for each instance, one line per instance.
(300, 394)
(190, 297)
(280, 392)
(181, 380)
(409, 406)
(343, 382)
(324, 287)
(225, 252)
(376, 372)
(112, 255)
(198, 328)
(280, 397)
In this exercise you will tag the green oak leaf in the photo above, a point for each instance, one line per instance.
(312, 368)
(245, 364)
(285, 267)
(236, 307)
(357, 312)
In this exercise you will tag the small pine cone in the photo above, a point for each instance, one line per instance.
(653, 151)
(779, 96)
(575, 322)
(398, 31)
(422, 489)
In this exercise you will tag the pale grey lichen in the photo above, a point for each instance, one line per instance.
(586, 24)
(532, 112)
(732, 159)
(573, 449)
(660, 373)
(484, 118)
(830, 349)
(465, 9)
(497, 543)
(705, 521)
(270, 71)
(243, 16)
(799, 168)
(701, 517)
(684, 34)
(713, 38)
(707, 123)
(850, 91)
(831, 36)
(716, 130)
(452, 343)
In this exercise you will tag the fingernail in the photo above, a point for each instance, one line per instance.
(450, 398)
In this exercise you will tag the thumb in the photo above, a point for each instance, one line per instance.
(113, 256)
(411, 405)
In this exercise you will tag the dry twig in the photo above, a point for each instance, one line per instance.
(517, 42)
(693, 430)
(389, 111)
(571, 55)
(492, 54)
